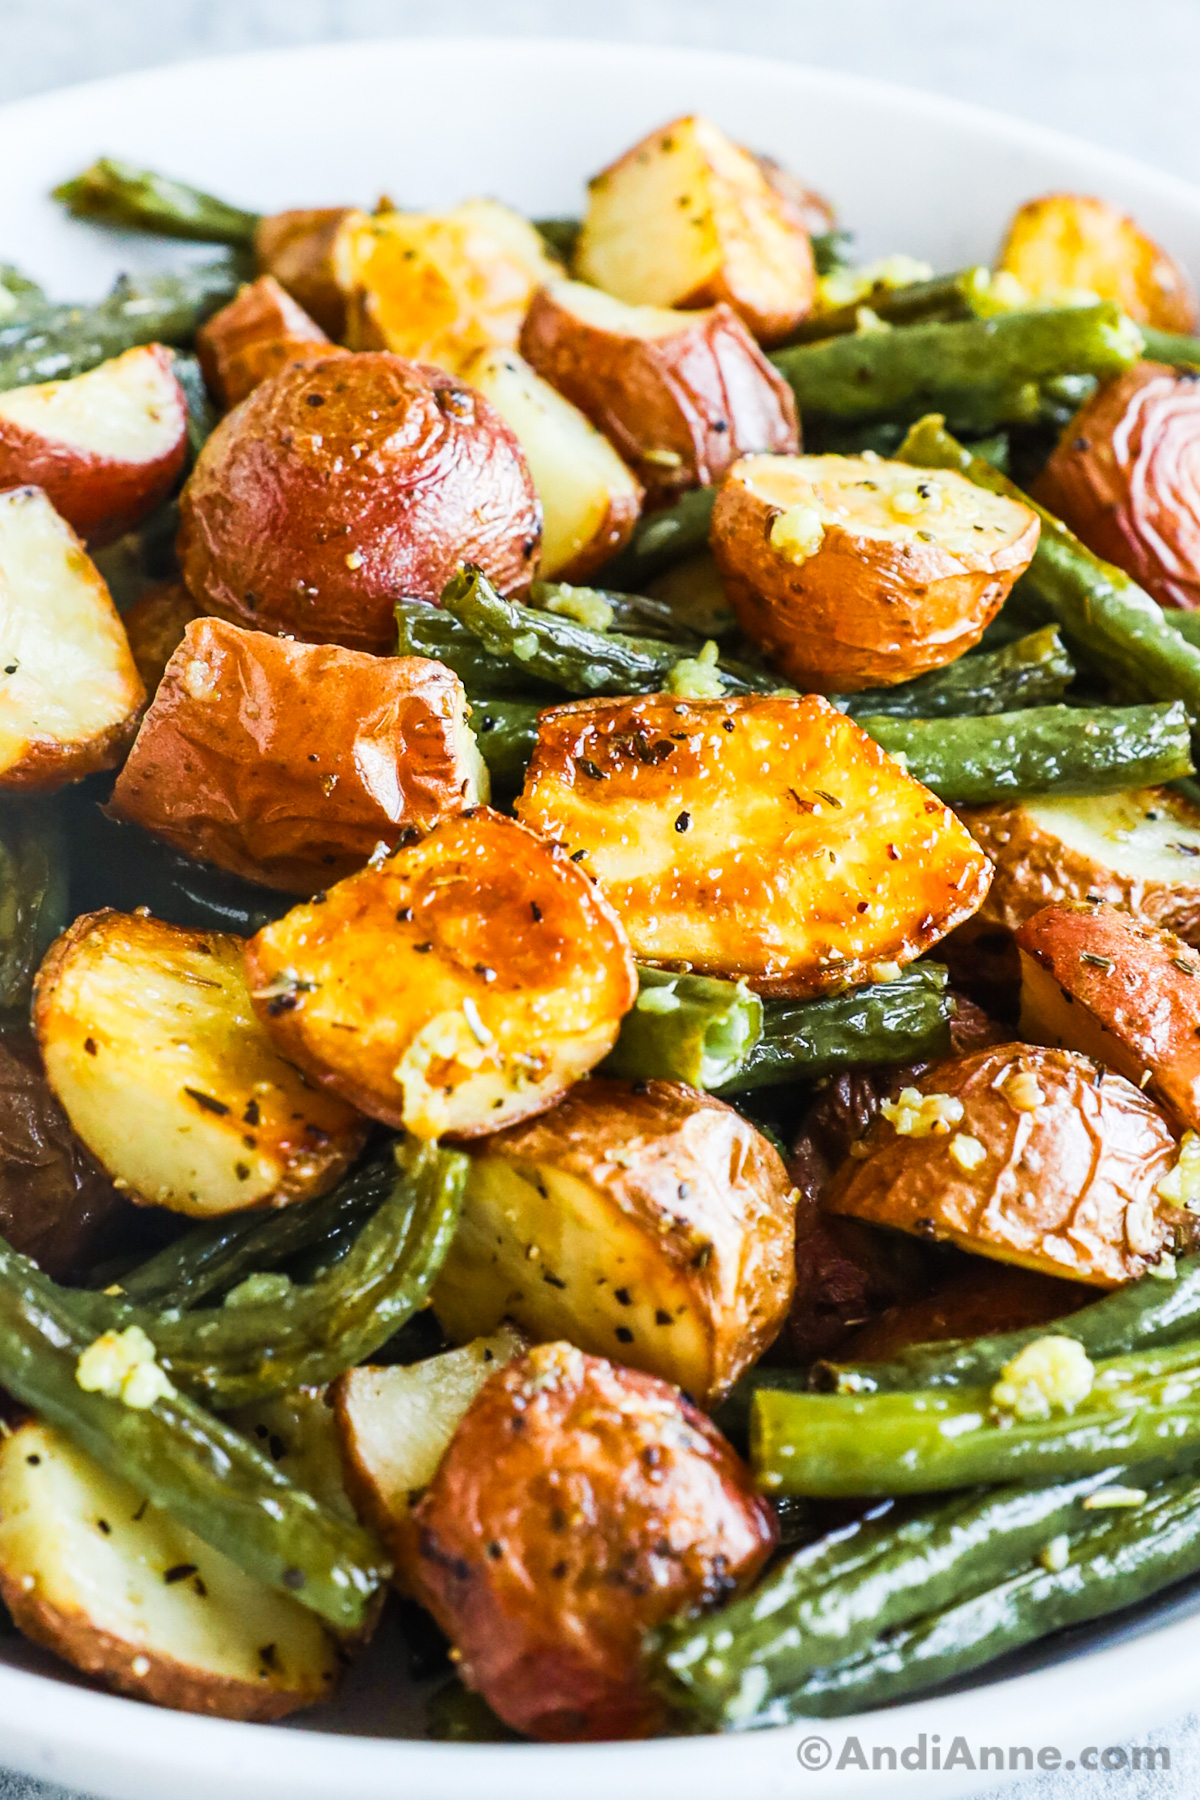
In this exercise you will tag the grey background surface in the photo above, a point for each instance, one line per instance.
(1122, 73)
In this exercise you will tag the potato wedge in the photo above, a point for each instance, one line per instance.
(590, 500)
(152, 1046)
(70, 692)
(682, 395)
(302, 250)
(394, 1426)
(685, 218)
(641, 1220)
(1126, 478)
(852, 572)
(1139, 850)
(809, 211)
(1128, 994)
(155, 625)
(457, 985)
(337, 487)
(256, 335)
(225, 770)
(759, 838)
(94, 1572)
(105, 447)
(1064, 246)
(1034, 1157)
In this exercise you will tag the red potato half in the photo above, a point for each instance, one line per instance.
(256, 335)
(682, 395)
(70, 692)
(105, 447)
(853, 572)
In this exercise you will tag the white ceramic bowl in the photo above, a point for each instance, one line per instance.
(428, 122)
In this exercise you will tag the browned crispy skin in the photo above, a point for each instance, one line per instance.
(977, 1300)
(256, 335)
(155, 625)
(299, 249)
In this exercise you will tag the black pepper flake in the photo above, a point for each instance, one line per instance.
(495, 1550)
(727, 725)
(252, 1116)
(33, 1460)
(137, 1517)
(623, 1334)
(536, 912)
(276, 1446)
(267, 1656)
(483, 970)
(104, 1526)
(558, 1572)
(11, 668)
(639, 1088)
(422, 949)
(622, 1296)
(590, 769)
(662, 1317)
(293, 1579)
(314, 399)
(404, 916)
(281, 1003)
(683, 822)
(1097, 962)
(178, 1572)
(578, 855)
(91, 1046)
(1081, 443)
(206, 1103)
(555, 1281)
(242, 1171)
(199, 1588)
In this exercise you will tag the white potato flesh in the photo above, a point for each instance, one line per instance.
(129, 410)
(1137, 833)
(607, 313)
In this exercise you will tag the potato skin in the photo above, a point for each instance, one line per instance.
(977, 1301)
(155, 625)
(704, 396)
(335, 488)
(579, 1504)
(300, 249)
(1126, 478)
(1068, 1189)
(256, 335)
(1061, 242)
(287, 763)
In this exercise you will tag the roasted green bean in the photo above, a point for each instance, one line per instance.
(1032, 671)
(118, 193)
(687, 1028)
(33, 897)
(661, 539)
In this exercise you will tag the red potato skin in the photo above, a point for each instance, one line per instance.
(708, 394)
(298, 248)
(99, 498)
(256, 335)
(337, 487)
(579, 1504)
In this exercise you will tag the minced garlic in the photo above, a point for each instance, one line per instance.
(1053, 1374)
(696, 677)
(1056, 1555)
(842, 287)
(1024, 1092)
(866, 320)
(1182, 1184)
(797, 532)
(255, 1289)
(584, 605)
(886, 971)
(967, 1152)
(121, 1365)
(1103, 1498)
(918, 1115)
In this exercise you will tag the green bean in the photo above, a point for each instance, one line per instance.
(943, 297)
(202, 414)
(34, 904)
(19, 296)
(831, 250)
(458, 1715)
(1171, 347)
(1187, 624)
(425, 630)
(1031, 671)
(191, 1464)
(560, 237)
(980, 372)
(637, 615)
(506, 732)
(117, 193)
(661, 539)
(686, 1028)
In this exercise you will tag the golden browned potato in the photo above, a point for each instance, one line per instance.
(809, 211)
(458, 984)
(70, 693)
(155, 625)
(289, 763)
(1065, 246)
(580, 1504)
(1126, 478)
(640, 1220)
(93, 1571)
(1139, 850)
(681, 394)
(590, 500)
(1128, 994)
(685, 218)
(1035, 1157)
(766, 838)
(336, 488)
(260, 331)
(302, 250)
(152, 1046)
(852, 572)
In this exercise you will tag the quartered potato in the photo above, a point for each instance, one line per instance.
(152, 1046)
(590, 500)
(852, 572)
(1071, 246)
(104, 447)
(1037, 1157)
(155, 625)
(299, 250)
(681, 394)
(70, 692)
(686, 218)
(1098, 980)
(758, 837)
(93, 1571)
(453, 986)
(809, 211)
(289, 763)
(1139, 849)
(256, 335)
(640, 1220)
(395, 1424)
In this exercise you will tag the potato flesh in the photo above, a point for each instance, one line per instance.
(1146, 834)
(1050, 1016)
(92, 1570)
(1068, 247)
(128, 410)
(152, 1046)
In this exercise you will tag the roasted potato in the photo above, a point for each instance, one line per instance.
(300, 249)
(852, 572)
(70, 692)
(335, 488)
(224, 767)
(578, 1505)
(1067, 246)
(1128, 994)
(1139, 850)
(105, 447)
(94, 1572)
(1126, 478)
(256, 335)
(641, 1220)
(682, 395)
(766, 838)
(590, 500)
(155, 625)
(978, 1300)
(152, 1047)
(809, 211)
(1036, 1157)
(685, 218)
(394, 1426)
(458, 984)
